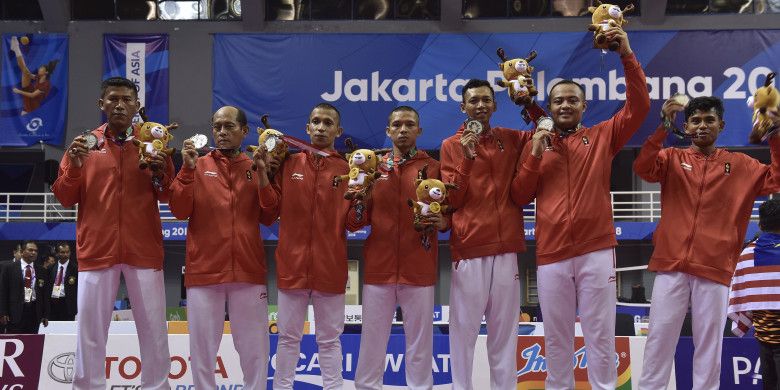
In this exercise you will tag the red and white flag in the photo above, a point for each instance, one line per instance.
(755, 284)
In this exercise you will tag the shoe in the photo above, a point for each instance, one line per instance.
(15, 46)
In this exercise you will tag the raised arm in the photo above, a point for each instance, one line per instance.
(533, 111)
(67, 187)
(272, 213)
(526, 180)
(269, 199)
(163, 177)
(182, 190)
(456, 169)
(650, 165)
(268, 196)
(628, 120)
(769, 181)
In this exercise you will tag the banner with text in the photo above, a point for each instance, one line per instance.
(144, 60)
(34, 89)
(48, 362)
(367, 75)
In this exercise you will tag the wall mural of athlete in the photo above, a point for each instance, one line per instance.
(34, 87)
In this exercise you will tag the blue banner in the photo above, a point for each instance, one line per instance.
(308, 368)
(34, 96)
(177, 231)
(144, 60)
(739, 364)
(366, 75)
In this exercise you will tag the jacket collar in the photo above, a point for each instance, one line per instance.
(696, 154)
(217, 155)
(102, 134)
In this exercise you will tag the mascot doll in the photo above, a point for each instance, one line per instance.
(517, 76)
(153, 138)
(606, 16)
(362, 172)
(764, 103)
(272, 139)
(431, 199)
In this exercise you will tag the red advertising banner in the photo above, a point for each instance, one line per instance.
(532, 367)
(20, 361)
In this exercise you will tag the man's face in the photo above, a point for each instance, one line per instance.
(120, 104)
(63, 253)
(50, 261)
(323, 127)
(705, 125)
(478, 103)
(403, 129)
(30, 252)
(227, 132)
(567, 104)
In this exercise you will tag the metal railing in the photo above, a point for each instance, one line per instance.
(627, 206)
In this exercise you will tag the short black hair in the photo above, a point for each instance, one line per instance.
(25, 242)
(769, 215)
(117, 82)
(704, 104)
(476, 83)
(328, 106)
(59, 245)
(404, 109)
(569, 82)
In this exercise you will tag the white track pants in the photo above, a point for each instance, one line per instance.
(329, 324)
(96, 296)
(488, 286)
(587, 283)
(248, 309)
(379, 302)
(672, 291)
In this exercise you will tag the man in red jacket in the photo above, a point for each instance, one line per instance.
(487, 233)
(118, 232)
(311, 258)
(399, 266)
(225, 200)
(707, 197)
(575, 236)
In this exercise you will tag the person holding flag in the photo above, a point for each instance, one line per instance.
(752, 296)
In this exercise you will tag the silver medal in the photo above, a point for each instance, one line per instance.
(681, 99)
(474, 126)
(199, 141)
(270, 143)
(91, 140)
(544, 123)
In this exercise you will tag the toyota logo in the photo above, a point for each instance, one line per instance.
(61, 367)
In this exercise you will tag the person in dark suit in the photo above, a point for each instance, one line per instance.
(17, 252)
(17, 255)
(62, 286)
(23, 293)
